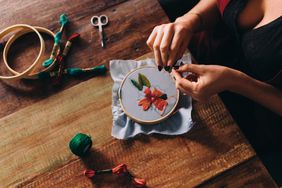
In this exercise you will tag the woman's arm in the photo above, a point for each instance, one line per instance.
(260, 92)
(169, 41)
(212, 79)
(203, 16)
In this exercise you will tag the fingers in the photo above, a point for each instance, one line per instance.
(198, 69)
(152, 37)
(166, 40)
(174, 47)
(156, 48)
(152, 42)
(176, 74)
(182, 84)
(183, 47)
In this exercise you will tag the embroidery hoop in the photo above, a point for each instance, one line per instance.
(13, 28)
(136, 119)
(20, 33)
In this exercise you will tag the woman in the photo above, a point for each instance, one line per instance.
(256, 28)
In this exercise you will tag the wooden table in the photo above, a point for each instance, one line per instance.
(38, 120)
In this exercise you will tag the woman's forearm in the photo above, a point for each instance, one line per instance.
(203, 16)
(260, 92)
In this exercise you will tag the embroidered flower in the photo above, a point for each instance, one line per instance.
(155, 97)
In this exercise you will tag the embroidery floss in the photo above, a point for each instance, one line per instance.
(95, 71)
(80, 144)
(60, 58)
(57, 39)
(118, 170)
(138, 182)
(92, 173)
(63, 21)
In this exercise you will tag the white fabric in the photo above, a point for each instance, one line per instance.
(124, 127)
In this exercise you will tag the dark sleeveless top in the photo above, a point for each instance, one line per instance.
(258, 52)
(261, 47)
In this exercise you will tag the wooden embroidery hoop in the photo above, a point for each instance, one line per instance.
(12, 28)
(24, 31)
(137, 119)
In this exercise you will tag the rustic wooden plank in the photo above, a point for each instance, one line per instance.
(35, 139)
(252, 173)
(130, 24)
(175, 161)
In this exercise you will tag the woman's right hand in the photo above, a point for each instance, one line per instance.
(169, 42)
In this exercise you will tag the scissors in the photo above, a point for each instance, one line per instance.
(100, 21)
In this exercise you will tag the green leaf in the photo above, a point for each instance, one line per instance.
(143, 80)
(137, 85)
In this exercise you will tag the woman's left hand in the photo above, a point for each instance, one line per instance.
(211, 79)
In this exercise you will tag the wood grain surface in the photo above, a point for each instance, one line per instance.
(130, 23)
(41, 141)
(37, 120)
(37, 139)
(251, 173)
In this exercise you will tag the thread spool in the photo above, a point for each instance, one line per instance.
(80, 144)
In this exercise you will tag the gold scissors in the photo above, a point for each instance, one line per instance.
(100, 21)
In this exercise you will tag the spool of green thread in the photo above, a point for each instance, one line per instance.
(80, 144)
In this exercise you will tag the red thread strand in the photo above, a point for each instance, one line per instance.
(73, 37)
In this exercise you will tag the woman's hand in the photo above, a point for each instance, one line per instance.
(169, 42)
(211, 79)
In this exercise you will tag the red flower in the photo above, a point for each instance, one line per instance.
(120, 169)
(153, 97)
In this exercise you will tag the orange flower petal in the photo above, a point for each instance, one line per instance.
(147, 92)
(145, 103)
(160, 104)
(157, 93)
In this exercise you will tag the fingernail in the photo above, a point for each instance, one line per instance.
(160, 68)
(170, 69)
(175, 67)
(167, 68)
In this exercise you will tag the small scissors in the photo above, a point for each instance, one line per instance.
(100, 21)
